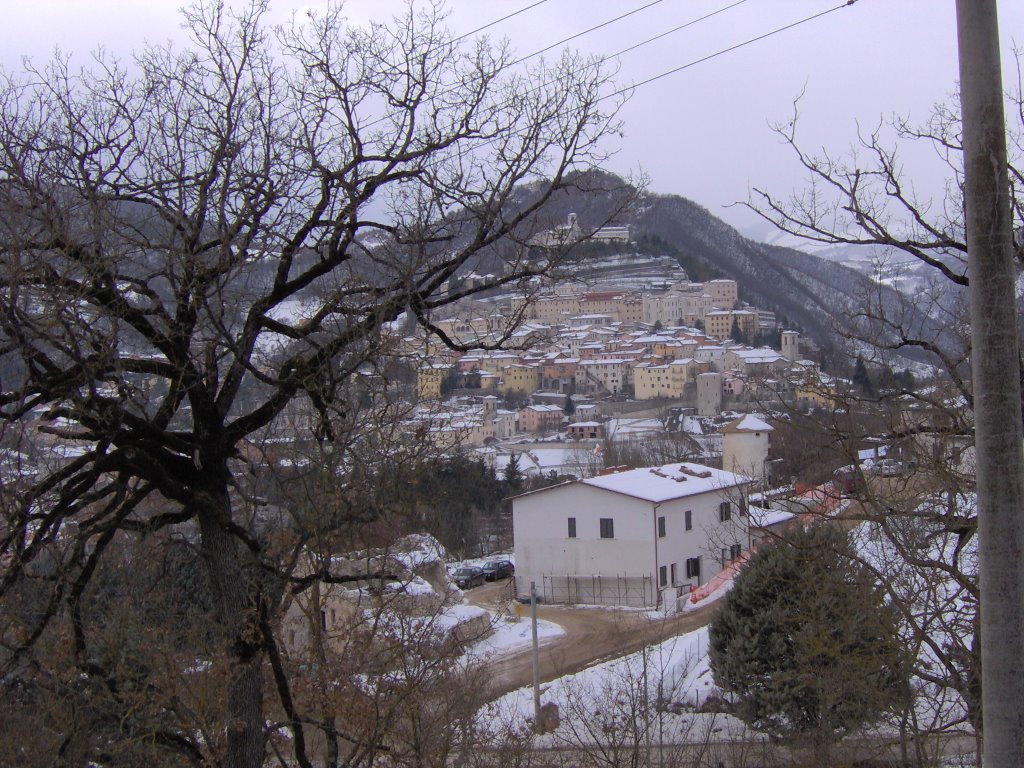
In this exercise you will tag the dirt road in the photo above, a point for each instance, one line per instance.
(591, 635)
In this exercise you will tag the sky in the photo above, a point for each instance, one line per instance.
(703, 132)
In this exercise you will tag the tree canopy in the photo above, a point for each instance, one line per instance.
(216, 245)
(806, 642)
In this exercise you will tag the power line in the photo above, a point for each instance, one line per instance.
(649, 40)
(668, 32)
(521, 59)
(587, 31)
(703, 59)
(498, 21)
(731, 48)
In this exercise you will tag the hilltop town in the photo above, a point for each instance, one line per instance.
(632, 348)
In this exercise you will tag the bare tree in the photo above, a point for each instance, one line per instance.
(201, 243)
(867, 199)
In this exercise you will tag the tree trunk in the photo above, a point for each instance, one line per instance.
(234, 608)
(995, 370)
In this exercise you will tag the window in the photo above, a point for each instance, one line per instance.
(607, 528)
(663, 576)
(743, 507)
(735, 551)
(661, 527)
(725, 511)
(675, 576)
(688, 519)
(692, 567)
(572, 527)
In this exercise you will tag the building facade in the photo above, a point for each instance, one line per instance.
(643, 537)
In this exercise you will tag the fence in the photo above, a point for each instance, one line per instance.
(572, 589)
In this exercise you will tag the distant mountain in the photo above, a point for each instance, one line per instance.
(882, 264)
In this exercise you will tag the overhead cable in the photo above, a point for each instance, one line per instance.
(731, 48)
(498, 21)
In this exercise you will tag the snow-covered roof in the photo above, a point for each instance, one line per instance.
(672, 481)
(766, 518)
(757, 355)
(748, 423)
(624, 427)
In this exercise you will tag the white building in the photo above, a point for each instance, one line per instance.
(745, 443)
(723, 293)
(642, 537)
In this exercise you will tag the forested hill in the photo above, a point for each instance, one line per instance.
(807, 292)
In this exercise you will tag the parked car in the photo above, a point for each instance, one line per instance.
(848, 479)
(498, 569)
(889, 468)
(469, 576)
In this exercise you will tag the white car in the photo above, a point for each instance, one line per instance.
(889, 468)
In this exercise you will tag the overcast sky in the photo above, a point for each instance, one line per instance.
(703, 132)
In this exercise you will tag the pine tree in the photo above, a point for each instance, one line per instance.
(569, 408)
(862, 379)
(807, 643)
(737, 334)
(513, 474)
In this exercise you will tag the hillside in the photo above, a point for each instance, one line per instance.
(811, 294)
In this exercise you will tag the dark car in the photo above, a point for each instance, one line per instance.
(498, 569)
(469, 576)
(848, 479)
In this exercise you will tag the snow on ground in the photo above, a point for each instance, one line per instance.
(512, 636)
(418, 549)
(595, 700)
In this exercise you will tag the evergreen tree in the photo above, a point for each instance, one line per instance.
(513, 474)
(807, 643)
(737, 334)
(862, 379)
(569, 408)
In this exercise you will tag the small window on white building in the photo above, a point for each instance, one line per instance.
(725, 511)
(607, 528)
(688, 519)
(663, 576)
(692, 567)
(661, 527)
(572, 527)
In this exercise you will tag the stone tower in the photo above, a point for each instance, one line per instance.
(791, 346)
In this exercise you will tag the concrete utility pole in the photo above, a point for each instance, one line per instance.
(996, 374)
(538, 726)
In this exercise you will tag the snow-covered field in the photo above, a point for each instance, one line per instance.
(656, 690)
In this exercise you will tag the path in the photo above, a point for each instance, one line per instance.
(591, 635)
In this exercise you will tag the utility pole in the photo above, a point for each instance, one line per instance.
(996, 384)
(538, 726)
